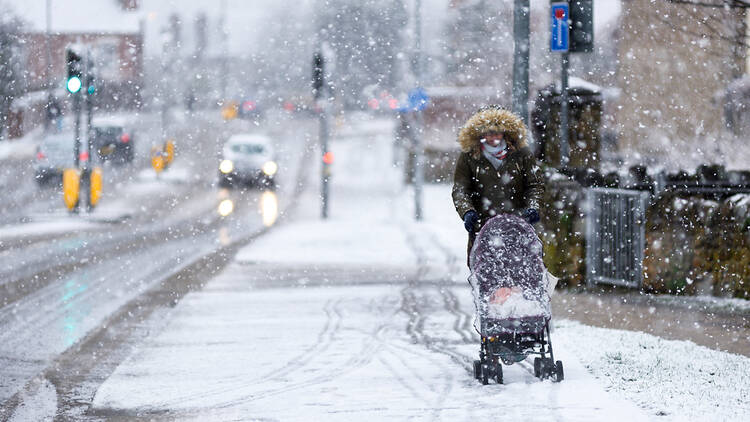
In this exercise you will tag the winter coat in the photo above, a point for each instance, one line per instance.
(515, 186)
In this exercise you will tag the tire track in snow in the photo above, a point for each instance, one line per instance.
(390, 347)
(370, 346)
(415, 329)
(463, 319)
(324, 340)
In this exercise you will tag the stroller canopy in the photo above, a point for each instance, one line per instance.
(508, 271)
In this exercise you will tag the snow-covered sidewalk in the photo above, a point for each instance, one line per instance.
(367, 316)
(21, 148)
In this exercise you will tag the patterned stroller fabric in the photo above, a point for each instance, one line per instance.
(507, 279)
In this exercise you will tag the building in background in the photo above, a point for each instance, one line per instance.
(111, 31)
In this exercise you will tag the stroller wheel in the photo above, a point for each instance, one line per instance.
(559, 374)
(485, 375)
(477, 369)
(538, 367)
(499, 373)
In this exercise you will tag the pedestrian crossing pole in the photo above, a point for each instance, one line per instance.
(419, 118)
(318, 85)
(521, 59)
(564, 111)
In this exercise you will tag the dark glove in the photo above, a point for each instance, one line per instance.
(470, 220)
(531, 215)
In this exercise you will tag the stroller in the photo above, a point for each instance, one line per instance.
(513, 305)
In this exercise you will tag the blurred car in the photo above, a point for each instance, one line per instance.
(53, 155)
(113, 139)
(250, 110)
(248, 159)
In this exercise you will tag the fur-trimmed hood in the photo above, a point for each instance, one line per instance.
(492, 119)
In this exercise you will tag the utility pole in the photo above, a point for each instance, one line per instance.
(48, 69)
(521, 59)
(88, 88)
(74, 83)
(224, 51)
(77, 128)
(319, 92)
(560, 42)
(418, 117)
(564, 111)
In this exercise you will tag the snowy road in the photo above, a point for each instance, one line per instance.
(66, 278)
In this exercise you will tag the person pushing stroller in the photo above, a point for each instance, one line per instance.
(496, 172)
(497, 190)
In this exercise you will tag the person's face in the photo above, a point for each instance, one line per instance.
(493, 139)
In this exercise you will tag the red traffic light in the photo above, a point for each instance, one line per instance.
(328, 158)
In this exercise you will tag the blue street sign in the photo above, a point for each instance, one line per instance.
(560, 30)
(417, 101)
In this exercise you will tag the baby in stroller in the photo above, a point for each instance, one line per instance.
(511, 295)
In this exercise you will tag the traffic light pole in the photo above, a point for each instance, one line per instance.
(77, 129)
(89, 105)
(89, 164)
(564, 113)
(326, 170)
(521, 59)
(419, 118)
(319, 92)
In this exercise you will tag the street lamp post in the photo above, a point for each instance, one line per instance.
(521, 59)
(419, 118)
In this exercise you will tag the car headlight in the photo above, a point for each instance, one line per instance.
(270, 168)
(226, 166)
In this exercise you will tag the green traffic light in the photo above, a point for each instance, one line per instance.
(74, 84)
(91, 89)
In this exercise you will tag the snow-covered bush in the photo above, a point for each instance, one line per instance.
(693, 240)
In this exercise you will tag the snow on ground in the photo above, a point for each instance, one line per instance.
(20, 148)
(676, 379)
(61, 224)
(130, 199)
(174, 174)
(292, 330)
(330, 354)
(372, 245)
(36, 404)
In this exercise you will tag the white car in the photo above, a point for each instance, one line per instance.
(248, 159)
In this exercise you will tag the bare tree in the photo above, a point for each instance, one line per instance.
(722, 21)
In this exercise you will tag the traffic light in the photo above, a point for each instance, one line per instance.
(73, 62)
(581, 26)
(90, 78)
(317, 75)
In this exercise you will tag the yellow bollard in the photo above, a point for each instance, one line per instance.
(230, 111)
(157, 160)
(169, 149)
(71, 187)
(95, 185)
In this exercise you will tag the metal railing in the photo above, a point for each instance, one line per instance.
(615, 236)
